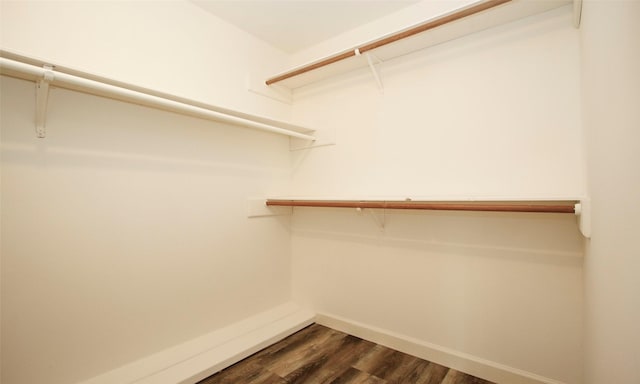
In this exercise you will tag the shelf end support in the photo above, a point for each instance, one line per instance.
(374, 71)
(583, 212)
(42, 99)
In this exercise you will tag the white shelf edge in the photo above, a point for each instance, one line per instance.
(515, 10)
(27, 62)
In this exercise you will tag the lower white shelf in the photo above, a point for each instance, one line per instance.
(197, 359)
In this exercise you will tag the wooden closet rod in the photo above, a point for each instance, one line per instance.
(564, 207)
(390, 39)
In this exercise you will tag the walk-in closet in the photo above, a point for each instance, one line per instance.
(438, 191)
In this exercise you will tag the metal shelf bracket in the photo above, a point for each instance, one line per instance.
(577, 13)
(42, 99)
(380, 221)
(374, 71)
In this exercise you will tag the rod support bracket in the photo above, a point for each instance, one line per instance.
(583, 213)
(42, 99)
(577, 13)
(380, 221)
(372, 67)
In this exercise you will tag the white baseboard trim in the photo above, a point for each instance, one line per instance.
(460, 361)
(199, 358)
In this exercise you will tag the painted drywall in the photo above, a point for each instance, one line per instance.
(495, 114)
(611, 93)
(391, 23)
(169, 46)
(124, 232)
(502, 288)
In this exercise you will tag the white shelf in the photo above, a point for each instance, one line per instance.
(511, 11)
(45, 73)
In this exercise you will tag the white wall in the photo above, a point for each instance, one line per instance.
(410, 15)
(611, 92)
(170, 46)
(124, 231)
(494, 114)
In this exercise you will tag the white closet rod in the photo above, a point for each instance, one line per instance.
(65, 80)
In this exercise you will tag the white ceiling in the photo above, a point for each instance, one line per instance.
(293, 25)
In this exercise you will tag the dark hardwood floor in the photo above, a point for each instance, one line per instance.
(320, 355)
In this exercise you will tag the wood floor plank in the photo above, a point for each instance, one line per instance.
(354, 376)
(432, 374)
(292, 345)
(398, 367)
(350, 350)
(451, 377)
(305, 354)
(376, 359)
(320, 355)
(457, 377)
(244, 373)
(410, 373)
(306, 372)
(384, 362)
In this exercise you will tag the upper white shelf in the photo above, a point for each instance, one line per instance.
(449, 26)
(45, 74)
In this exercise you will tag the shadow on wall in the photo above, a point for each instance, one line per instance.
(85, 131)
(531, 237)
(120, 232)
(478, 44)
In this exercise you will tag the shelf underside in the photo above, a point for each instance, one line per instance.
(514, 10)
